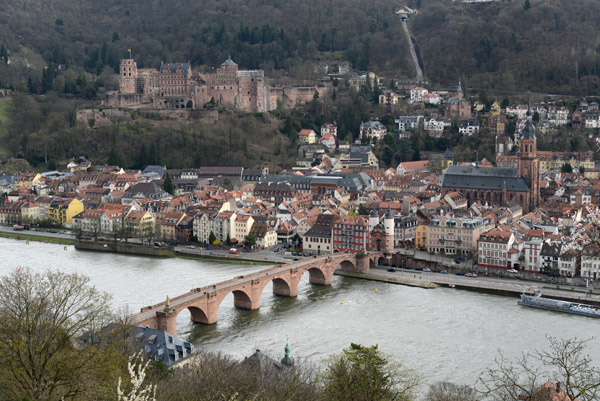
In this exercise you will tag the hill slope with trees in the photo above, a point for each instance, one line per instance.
(537, 45)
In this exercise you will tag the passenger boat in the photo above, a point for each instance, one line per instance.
(537, 301)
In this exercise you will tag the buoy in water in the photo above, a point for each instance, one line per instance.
(375, 289)
(341, 302)
(27, 242)
(65, 247)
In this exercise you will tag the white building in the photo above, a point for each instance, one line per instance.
(434, 127)
(494, 249)
(408, 122)
(468, 127)
(590, 266)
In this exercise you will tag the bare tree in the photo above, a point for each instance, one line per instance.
(565, 364)
(42, 315)
(446, 391)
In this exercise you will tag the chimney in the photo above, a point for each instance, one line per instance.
(558, 387)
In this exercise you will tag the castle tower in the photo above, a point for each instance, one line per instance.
(373, 218)
(529, 163)
(388, 225)
(127, 76)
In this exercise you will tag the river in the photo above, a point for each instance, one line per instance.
(444, 334)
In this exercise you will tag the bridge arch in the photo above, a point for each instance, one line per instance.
(198, 315)
(347, 265)
(282, 287)
(316, 276)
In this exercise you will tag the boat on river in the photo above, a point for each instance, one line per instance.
(535, 300)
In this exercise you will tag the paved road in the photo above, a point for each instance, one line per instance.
(504, 284)
(38, 233)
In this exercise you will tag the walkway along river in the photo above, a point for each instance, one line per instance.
(437, 332)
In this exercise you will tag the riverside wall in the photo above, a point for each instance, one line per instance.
(117, 247)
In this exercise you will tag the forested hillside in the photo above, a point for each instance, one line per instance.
(538, 45)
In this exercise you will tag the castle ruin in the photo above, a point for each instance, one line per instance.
(176, 86)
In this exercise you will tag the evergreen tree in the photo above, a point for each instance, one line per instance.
(115, 37)
(153, 155)
(197, 159)
(4, 54)
(114, 159)
(527, 5)
(212, 238)
(143, 156)
(363, 210)
(168, 184)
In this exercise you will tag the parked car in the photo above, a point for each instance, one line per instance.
(512, 271)
(444, 272)
(420, 269)
(276, 250)
(469, 275)
(296, 259)
(391, 270)
(191, 247)
(427, 270)
(460, 273)
(233, 250)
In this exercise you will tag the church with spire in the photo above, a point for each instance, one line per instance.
(500, 185)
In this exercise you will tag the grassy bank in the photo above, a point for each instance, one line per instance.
(39, 238)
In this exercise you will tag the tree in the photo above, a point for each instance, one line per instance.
(364, 373)
(250, 240)
(565, 362)
(446, 391)
(168, 184)
(363, 210)
(3, 54)
(526, 5)
(113, 158)
(212, 237)
(566, 168)
(42, 315)
(137, 374)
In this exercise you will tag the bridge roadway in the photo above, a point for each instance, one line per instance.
(204, 302)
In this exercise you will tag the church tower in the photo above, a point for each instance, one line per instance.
(529, 163)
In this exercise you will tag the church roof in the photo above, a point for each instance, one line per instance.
(484, 178)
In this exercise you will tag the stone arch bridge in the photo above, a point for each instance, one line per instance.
(203, 303)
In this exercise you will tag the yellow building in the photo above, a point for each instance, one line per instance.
(495, 109)
(140, 224)
(28, 180)
(307, 136)
(421, 236)
(62, 210)
(30, 212)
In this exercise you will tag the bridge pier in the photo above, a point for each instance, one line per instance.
(204, 303)
(167, 320)
(319, 277)
(284, 289)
